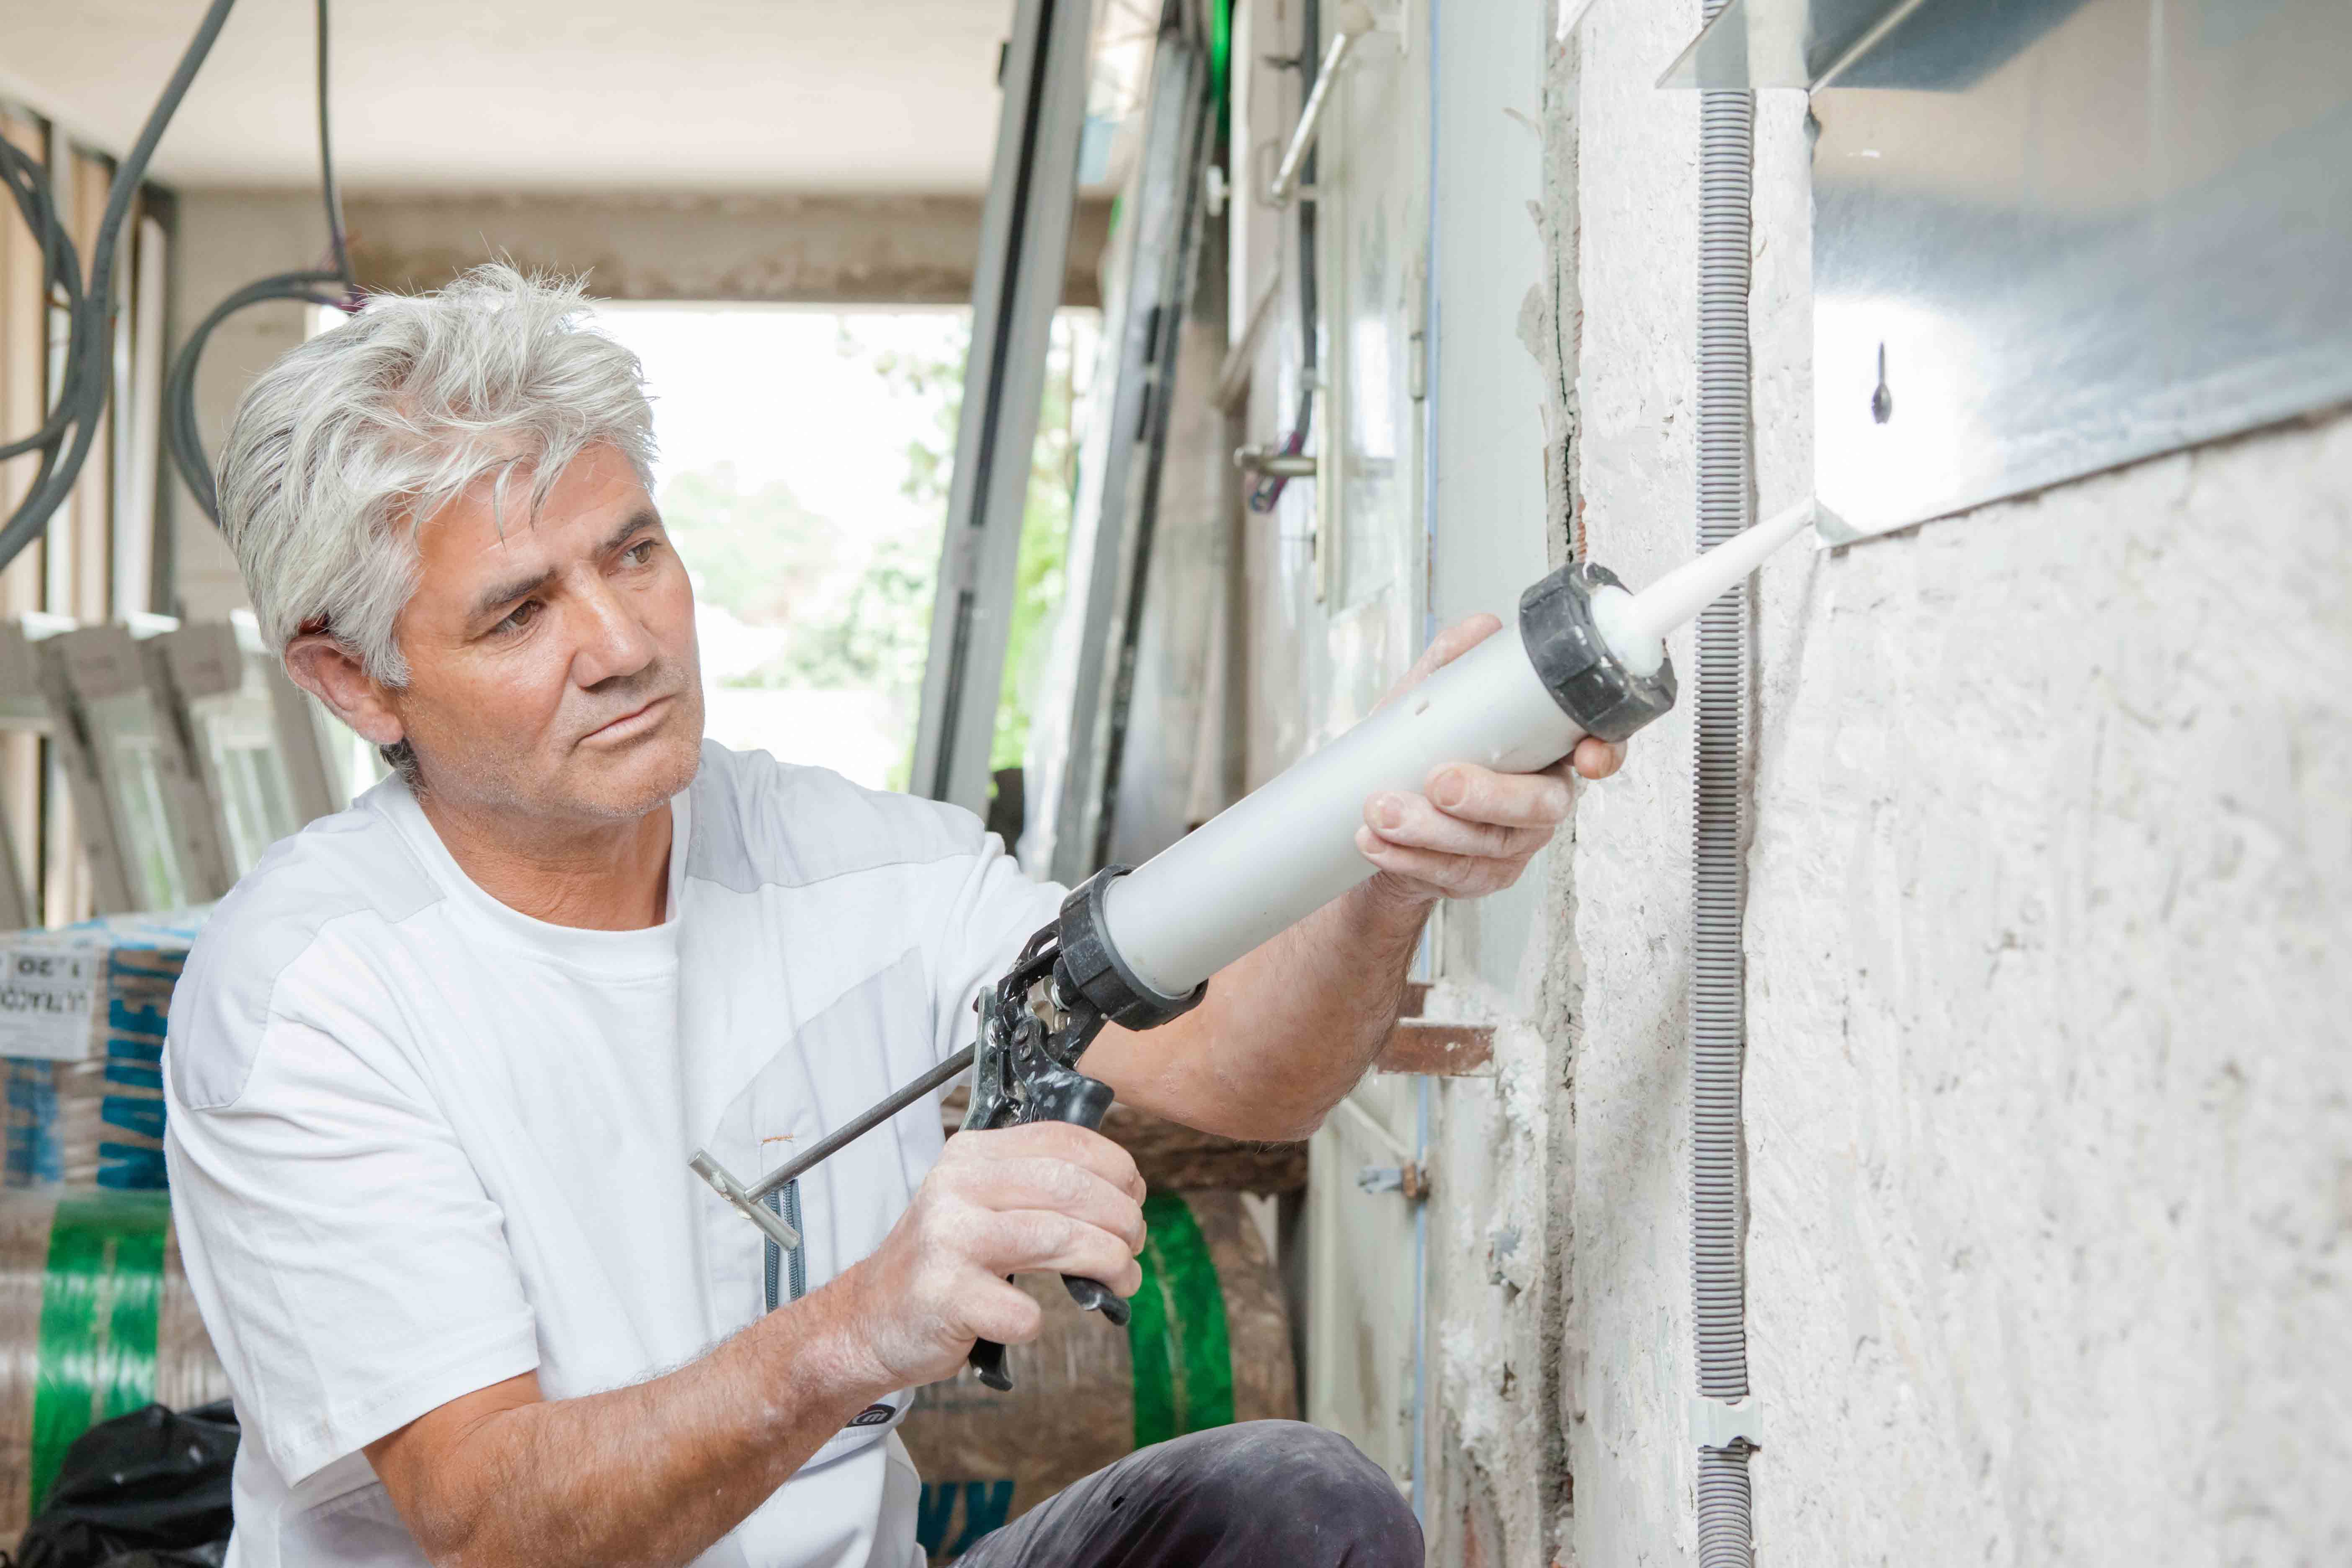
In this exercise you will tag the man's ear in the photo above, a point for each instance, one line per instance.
(327, 670)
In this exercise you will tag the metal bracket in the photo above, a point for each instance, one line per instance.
(1802, 44)
(1410, 1180)
(1355, 21)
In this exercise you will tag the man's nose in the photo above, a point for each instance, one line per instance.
(613, 642)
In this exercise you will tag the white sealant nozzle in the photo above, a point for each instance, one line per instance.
(1586, 658)
(1636, 625)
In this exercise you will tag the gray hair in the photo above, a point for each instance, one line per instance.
(348, 444)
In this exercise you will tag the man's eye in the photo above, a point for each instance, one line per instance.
(521, 615)
(640, 552)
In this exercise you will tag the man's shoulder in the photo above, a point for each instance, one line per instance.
(762, 823)
(355, 862)
(349, 869)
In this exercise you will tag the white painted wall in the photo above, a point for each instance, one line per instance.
(1336, 576)
(2049, 1115)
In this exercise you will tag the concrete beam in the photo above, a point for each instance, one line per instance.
(796, 249)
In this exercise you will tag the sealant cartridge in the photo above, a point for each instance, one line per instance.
(1587, 658)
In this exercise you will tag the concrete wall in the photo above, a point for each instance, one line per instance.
(2049, 1120)
(800, 249)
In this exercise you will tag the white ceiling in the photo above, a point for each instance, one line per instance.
(864, 95)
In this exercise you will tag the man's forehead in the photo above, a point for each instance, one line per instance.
(496, 522)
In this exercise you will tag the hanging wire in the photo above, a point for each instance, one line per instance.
(85, 385)
(331, 285)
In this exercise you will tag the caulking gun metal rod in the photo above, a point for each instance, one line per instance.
(867, 1121)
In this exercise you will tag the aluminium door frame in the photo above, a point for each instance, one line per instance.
(1168, 227)
(1016, 288)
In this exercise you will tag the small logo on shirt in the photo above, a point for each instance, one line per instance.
(873, 1415)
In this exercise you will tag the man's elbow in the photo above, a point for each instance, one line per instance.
(1271, 1122)
(447, 1537)
(446, 1522)
(1300, 1127)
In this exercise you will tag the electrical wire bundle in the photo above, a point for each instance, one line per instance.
(86, 383)
(65, 438)
(332, 286)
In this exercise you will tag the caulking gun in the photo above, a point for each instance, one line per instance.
(1136, 948)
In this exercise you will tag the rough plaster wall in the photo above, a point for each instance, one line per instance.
(2050, 1121)
(1627, 1329)
(2051, 1248)
(2048, 1118)
(1501, 1150)
(1494, 1232)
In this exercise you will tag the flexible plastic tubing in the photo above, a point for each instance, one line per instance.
(1718, 1011)
(183, 441)
(1726, 1530)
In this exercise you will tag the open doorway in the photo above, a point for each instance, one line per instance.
(804, 460)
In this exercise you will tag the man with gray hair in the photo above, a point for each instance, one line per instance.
(435, 1067)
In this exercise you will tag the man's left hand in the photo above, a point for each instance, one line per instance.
(1472, 830)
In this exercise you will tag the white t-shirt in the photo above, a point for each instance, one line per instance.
(420, 1143)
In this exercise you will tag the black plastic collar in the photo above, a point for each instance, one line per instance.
(1591, 684)
(1092, 967)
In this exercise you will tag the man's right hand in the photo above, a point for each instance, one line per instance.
(1046, 1197)
(656, 1471)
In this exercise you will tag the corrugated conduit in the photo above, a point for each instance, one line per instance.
(1727, 133)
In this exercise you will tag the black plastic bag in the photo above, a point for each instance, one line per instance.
(149, 1490)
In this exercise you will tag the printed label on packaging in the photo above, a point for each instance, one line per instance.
(47, 992)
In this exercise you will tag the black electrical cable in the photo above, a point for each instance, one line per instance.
(182, 436)
(65, 438)
(61, 270)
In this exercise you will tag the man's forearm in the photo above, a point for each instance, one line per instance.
(1289, 1029)
(648, 1475)
(1286, 1029)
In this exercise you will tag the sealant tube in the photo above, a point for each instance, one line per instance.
(1584, 659)
(1289, 847)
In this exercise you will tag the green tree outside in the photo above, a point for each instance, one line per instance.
(857, 606)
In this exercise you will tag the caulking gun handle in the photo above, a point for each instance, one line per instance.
(987, 1361)
(1074, 1098)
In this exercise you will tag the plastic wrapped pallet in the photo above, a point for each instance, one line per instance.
(95, 1319)
(82, 1029)
(1209, 1345)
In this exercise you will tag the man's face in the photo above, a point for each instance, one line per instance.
(553, 669)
